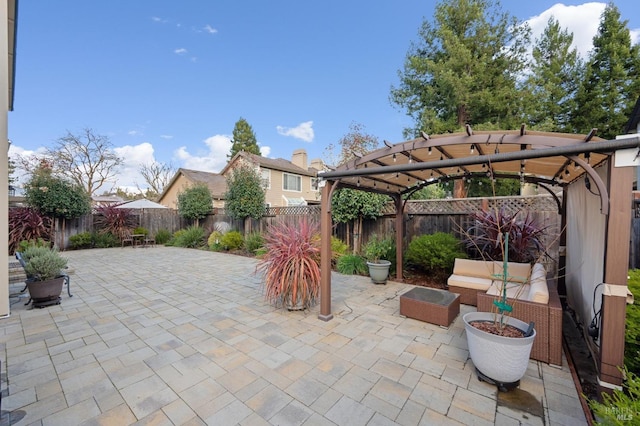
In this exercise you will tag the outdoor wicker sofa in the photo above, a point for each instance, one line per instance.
(533, 297)
(547, 346)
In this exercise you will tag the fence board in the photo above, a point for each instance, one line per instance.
(421, 217)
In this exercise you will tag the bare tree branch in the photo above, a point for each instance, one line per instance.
(88, 159)
(157, 176)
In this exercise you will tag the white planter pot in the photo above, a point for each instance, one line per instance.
(379, 271)
(502, 359)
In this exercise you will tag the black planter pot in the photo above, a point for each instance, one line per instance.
(45, 293)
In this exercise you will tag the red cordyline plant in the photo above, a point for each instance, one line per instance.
(27, 224)
(291, 266)
(116, 221)
(526, 242)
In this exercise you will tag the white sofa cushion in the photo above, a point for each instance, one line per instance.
(469, 282)
(473, 268)
(515, 290)
(517, 272)
(538, 291)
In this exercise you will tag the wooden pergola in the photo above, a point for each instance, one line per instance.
(547, 159)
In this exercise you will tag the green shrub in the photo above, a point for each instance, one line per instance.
(632, 329)
(352, 264)
(214, 241)
(621, 407)
(24, 244)
(192, 237)
(140, 230)
(163, 236)
(82, 240)
(105, 240)
(338, 249)
(232, 240)
(379, 248)
(435, 252)
(175, 237)
(43, 264)
(253, 242)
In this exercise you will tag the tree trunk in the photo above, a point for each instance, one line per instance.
(459, 189)
(357, 235)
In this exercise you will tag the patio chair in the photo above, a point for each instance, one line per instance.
(149, 240)
(128, 238)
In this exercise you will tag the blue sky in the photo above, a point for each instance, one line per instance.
(166, 80)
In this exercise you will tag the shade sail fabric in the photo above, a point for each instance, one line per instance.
(141, 204)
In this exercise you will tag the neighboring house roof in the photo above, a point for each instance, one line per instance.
(634, 119)
(104, 199)
(216, 182)
(269, 163)
(142, 203)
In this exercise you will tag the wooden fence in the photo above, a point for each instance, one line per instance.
(421, 217)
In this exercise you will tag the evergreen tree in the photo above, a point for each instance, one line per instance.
(245, 196)
(195, 202)
(244, 139)
(464, 68)
(611, 84)
(350, 205)
(553, 80)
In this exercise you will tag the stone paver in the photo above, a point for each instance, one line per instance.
(167, 335)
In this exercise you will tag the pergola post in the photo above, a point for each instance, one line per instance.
(399, 204)
(562, 249)
(618, 233)
(325, 253)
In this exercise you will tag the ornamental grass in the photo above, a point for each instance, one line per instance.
(291, 264)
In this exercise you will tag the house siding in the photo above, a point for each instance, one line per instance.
(170, 198)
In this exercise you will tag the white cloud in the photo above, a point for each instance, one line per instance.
(180, 51)
(159, 20)
(16, 152)
(134, 133)
(303, 131)
(213, 159)
(128, 176)
(166, 137)
(581, 20)
(208, 28)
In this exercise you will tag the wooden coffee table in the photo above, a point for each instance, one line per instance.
(430, 305)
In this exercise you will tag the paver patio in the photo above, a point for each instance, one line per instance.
(176, 336)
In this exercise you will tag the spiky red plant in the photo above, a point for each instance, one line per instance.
(291, 266)
(26, 224)
(114, 220)
(526, 236)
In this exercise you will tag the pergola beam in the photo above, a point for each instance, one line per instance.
(566, 150)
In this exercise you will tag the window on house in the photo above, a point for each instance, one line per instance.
(265, 176)
(291, 182)
(314, 183)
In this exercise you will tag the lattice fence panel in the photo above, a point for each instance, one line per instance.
(470, 205)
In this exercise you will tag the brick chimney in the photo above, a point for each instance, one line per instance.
(317, 164)
(299, 158)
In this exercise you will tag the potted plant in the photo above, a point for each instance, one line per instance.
(378, 251)
(500, 345)
(291, 264)
(43, 267)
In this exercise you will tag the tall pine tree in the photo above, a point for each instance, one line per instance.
(611, 84)
(244, 139)
(464, 69)
(553, 80)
